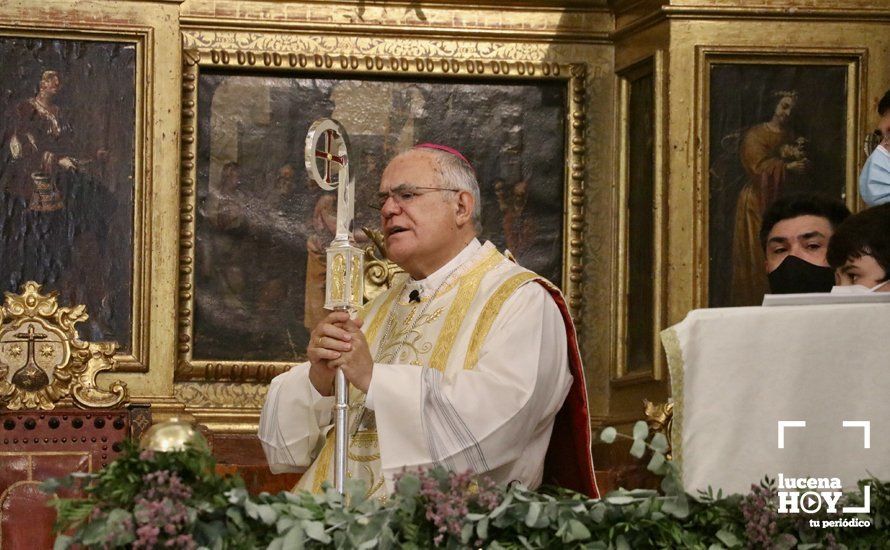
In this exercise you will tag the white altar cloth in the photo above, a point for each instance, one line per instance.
(736, 372)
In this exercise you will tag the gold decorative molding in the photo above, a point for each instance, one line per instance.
(42, 360)
(339, 56)
(581, 22)
(799, 10)
(220, 395)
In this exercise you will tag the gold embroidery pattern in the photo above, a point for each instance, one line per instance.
(489, 314)
(324, 462)
(366, 439)
(467, 289)
(407, 339)
(374, 486)
(380, 316)
(676, 366)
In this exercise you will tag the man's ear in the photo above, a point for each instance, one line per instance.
(464, 208)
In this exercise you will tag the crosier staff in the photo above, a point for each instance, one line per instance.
(328, 164)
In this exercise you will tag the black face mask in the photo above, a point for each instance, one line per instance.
(795, 275)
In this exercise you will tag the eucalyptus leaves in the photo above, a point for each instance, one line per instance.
(433, 508)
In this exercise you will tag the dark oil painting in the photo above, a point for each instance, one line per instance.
(262, 226)
(67, 166)
(774, 130)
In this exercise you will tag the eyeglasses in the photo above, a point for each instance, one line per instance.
(404, 194)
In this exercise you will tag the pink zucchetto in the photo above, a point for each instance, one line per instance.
(447, 149)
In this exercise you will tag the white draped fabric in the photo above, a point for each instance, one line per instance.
(737, 372)
(470, 377)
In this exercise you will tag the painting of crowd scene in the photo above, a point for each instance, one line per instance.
(262, 225)
(67, 166)
(774, 130)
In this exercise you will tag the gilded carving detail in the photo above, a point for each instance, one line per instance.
(351, 53)
(221, 395)
(42, 360)
(338, 278)
(581, 24)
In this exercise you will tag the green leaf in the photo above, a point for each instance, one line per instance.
(119, 534)
(621, 543)
(294, 538)
(95, 532)
(638, 448)
(315, 530)
(598, 512)
(656, 462)
(676, 506)
(63, 542)
(356, 490)
(502, 506)
(608, 434)
(534, 511)
(670, 486)
(641, 430)
(466, 532)
(408, 487)
(284, 523)
(659, 442)
(577, 531)
(482, 528)
(237, 496)
(267, 514)
(727, 538)
(368, 544)
(620, 500)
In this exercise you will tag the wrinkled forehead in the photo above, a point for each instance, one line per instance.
(412, 168)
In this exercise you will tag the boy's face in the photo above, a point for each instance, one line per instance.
(865, 271)
(803, 236)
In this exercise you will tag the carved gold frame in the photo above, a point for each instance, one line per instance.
(855, 61)
(651, 65)
(143, 38)
(251, 52)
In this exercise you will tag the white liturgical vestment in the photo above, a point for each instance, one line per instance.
(470, 377)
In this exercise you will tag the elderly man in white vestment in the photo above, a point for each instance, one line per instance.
(464, 362)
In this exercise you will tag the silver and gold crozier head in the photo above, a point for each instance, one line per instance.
(329, 165)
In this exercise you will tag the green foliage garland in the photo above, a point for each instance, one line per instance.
(176, 500)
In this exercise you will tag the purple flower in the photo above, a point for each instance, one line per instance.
(448, 497)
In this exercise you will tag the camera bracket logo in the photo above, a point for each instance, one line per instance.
(810, 494)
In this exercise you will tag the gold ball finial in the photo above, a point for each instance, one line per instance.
(174, 434)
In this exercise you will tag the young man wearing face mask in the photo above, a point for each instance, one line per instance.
(874, 180)
(794, 235)
(859, 252)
